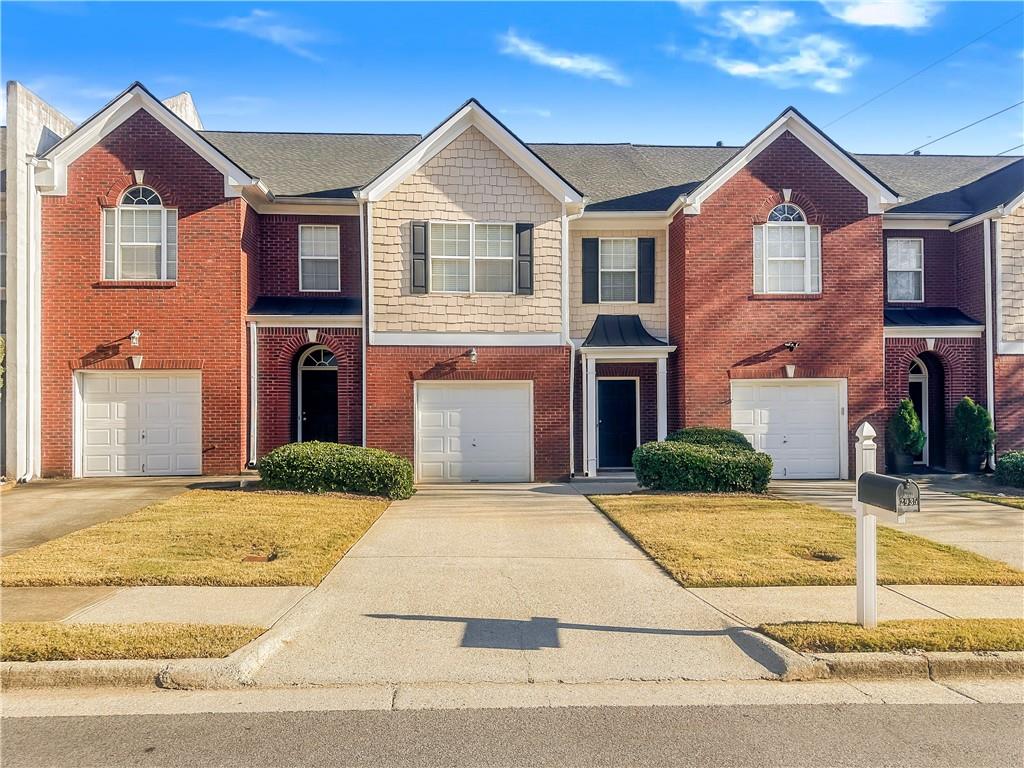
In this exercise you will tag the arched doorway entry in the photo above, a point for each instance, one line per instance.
(317, 396)
(926, 389)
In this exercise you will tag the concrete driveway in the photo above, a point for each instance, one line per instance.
(516, 583)
(992, 530)
(46, 509)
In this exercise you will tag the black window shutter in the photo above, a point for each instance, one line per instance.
(591, 271)
(645, 267)
(524, 258)
(418, 282)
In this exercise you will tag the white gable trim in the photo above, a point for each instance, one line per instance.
(472, 114)
(54, 180)
(879, 197)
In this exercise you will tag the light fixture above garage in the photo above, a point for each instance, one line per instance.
(791, 345)
(471, 354)
(134, 336)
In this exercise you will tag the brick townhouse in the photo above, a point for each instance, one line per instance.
(181, 301)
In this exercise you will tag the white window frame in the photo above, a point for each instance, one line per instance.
(636, 271)
(888, 298)
(472, 257)
(163, 278)
(337, 232)
(809, 289)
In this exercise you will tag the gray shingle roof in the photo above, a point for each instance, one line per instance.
(614, 177)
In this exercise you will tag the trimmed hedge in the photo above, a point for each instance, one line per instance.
(713, 437)
(316, 467)
(676, 466)
(1010, 469)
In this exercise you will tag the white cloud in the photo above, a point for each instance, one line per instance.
(268, 26)
(813, 61)
(697, 6)
(904, 14)
(582, 64)
(757, 21)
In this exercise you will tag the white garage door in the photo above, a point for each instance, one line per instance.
(141, 423)
(798, 423)
(468, 431)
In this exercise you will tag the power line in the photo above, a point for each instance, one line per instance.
(892, 88)
(1010, 149)
(969, 125)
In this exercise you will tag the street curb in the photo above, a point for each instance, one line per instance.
(923, 666)
(84, 674)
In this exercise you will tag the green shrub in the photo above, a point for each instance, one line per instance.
(905, 434)
(316, 467)
(676, 466)
(1010, 469)
(972, 428)
(713, 437)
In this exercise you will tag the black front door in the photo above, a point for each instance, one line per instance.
(318, 408)
(616, 422)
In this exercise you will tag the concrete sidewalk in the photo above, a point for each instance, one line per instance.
(992, 530)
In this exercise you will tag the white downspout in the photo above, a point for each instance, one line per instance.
(566, 337)
(364, 309)
(253, 392)
(990, 389)
(31, 457)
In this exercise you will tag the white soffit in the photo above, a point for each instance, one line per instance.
(878, 195)
(471, 115)
(54, 179)
(933, 331)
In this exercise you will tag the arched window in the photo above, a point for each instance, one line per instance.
(318, 357)
(787, 253)
(140, 238)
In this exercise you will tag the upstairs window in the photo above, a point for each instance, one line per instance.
(787, 253)
(904, 277)
(140, 238)
(467, 256)
(618, 259)
(319, 257)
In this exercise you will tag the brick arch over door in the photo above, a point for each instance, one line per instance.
(962, 375)
(279, 351)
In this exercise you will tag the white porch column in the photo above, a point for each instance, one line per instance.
(662, 398)
(590, 416)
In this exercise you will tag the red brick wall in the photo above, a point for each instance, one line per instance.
(1009, 382)
(730, 332)
(940, 273)
(676, 324)
(391, 372)
(648, 375)
(969, 246)
(278, 351)
(962, 364)
(195, 322)
(279, 255)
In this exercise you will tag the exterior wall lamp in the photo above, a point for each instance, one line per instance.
(134, 336)
(471, 354)
(791, 345)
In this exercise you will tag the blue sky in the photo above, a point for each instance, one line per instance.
(660, 73)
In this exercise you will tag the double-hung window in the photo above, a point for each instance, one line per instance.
(319, 257)
(787, 253)
(470, 256)
(904, 269)
(140, 238)
(618, 260)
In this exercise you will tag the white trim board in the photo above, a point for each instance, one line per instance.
(879, 197)
(54, 180)
(306, 321)
(472, 114)
(395, 339)
(933, 332)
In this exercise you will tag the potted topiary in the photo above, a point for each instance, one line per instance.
(906, 437)
(972, 430)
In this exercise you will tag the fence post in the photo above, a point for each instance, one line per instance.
(867, 559)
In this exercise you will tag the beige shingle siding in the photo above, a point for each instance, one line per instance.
(582, 316)
(469, 180)
(1012, 268)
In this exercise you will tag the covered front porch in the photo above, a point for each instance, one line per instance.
(624, 392)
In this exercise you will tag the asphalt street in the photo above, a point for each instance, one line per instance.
(932, 735)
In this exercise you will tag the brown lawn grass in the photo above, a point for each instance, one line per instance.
(199, 539)
(737, 540)
(911, 634)
(1017, 502)
(53, 641)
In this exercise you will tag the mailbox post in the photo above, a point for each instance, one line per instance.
(881, 492)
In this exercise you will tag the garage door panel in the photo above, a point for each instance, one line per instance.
(796, 422)
(136, 422)
(477, 431)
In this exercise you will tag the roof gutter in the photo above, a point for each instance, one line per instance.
(995, 213)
